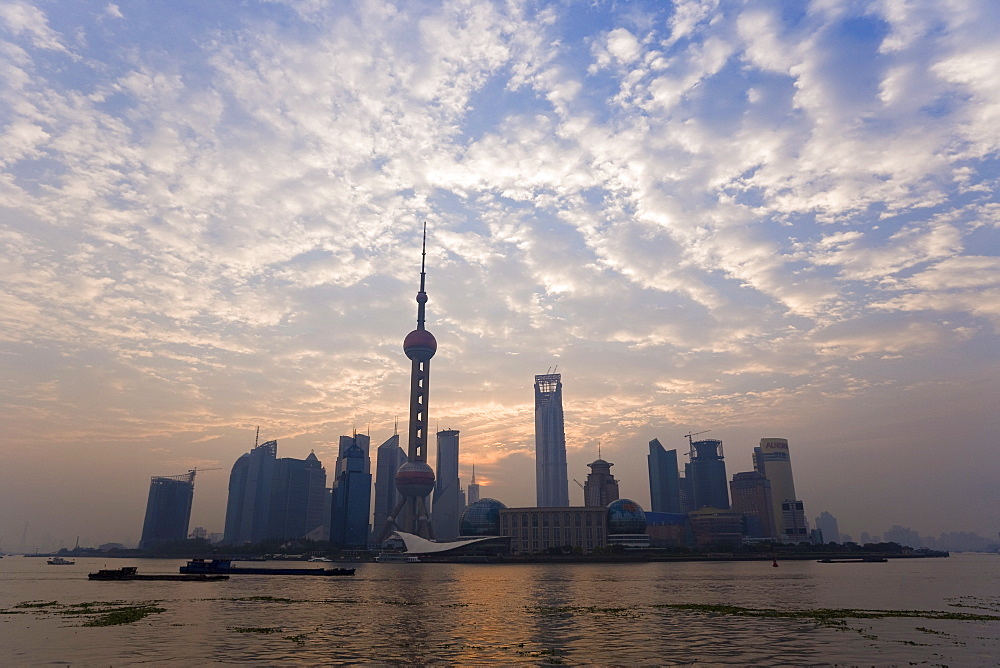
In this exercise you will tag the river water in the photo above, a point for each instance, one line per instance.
(603, 614)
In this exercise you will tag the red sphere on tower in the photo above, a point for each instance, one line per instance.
(420, 345)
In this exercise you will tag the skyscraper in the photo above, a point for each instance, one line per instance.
(360, 440)
(600, 488)
(248, 507)
(551, 483)
(772, 459)
(827, 524)
(352, 500)
(707, 473)
(793, 518)
(473, 487)
(168, 509)
(664, 479)
(751, 492)
(298, 487)
(449, 500)
(389, 458)
(415, 479)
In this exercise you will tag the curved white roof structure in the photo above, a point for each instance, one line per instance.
(417, 545)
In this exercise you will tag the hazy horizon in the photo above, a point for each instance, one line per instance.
(745, 217)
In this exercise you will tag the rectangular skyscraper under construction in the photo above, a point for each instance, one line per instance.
(551, 483)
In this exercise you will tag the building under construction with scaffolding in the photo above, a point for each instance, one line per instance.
(168, 509)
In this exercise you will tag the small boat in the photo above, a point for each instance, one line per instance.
(861, 560)
(397, 558)
(323, 559)
(225, 567)
(131, 573)
(59, 561)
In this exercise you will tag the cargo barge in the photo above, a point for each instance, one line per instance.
(225, 566)
(131, 573)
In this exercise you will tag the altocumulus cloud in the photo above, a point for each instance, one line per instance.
(759, 219)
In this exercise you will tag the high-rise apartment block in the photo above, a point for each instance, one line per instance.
(664, 479)
(551, 482)
(449, 499)
(706, 473)
(168, 509)
(600, 488)
(751, 497)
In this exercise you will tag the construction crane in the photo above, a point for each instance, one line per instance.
(580, 484)
(191, 472)
(688, 436)
(691, 441)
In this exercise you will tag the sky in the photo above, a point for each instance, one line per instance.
(752, 218)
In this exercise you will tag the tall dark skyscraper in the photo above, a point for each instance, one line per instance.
(415, 479)
(551, 483)
(449, 499)
(707, 474)
(168, 509)
(389, 457)
(352, 500)
(297, 498)
(664, 479)
(248, 508)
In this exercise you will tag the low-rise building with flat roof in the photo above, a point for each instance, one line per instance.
(537, 530)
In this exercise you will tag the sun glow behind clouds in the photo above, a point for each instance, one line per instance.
(710, 215)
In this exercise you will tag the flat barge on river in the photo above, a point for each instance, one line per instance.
(225, 566)
(131, 573)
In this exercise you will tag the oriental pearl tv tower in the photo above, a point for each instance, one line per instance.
(415, 478)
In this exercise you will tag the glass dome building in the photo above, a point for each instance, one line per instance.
(481, 518)
(625, 516)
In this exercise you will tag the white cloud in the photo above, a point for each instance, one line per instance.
(705, 215)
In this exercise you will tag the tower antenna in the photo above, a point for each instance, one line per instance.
(256, 439)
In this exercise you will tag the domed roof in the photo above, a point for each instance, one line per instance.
(481, 518)
(625, 516)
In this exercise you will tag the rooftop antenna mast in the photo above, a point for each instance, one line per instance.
(256, 439)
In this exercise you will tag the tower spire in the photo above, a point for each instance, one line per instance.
(422, 295)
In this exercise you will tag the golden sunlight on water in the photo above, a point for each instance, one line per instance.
(723, 613)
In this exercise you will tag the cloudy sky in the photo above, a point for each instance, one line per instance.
(752, 217)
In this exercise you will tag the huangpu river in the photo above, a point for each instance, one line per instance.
(940, 612)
